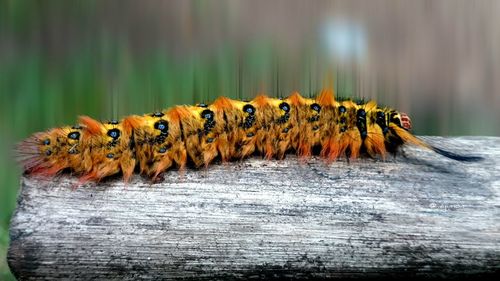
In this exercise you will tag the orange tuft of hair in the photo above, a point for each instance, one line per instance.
(93, 127)
(296, 99)
(326, 98)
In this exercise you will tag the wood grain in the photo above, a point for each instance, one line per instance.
(421, 215)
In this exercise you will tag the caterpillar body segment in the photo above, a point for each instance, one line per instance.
(158, 141)
(227, 130)
(108, 147)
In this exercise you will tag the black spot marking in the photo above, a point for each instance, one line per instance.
(224, 117)
(285, 107)
(164, 149)
(316, 107)
(131, 143)
(72, 151)
(113, 122)
(250, 109)
(157, 114)
(207, 114)
(162, 126)
(74, 135)
(397, 122)
(48, 152)
(361, 123)
(342, 109)
(46, 141)
(394, 119)
(160, 139)
(181, 128)
(361, 113)
(315, 128)
(208, 126)
(114, 133)
(76, 127)
(249, 135)
(249, 120)
(112, 143)
(283, 118)
(210, 140)
(110, 155)
(285, 130)
(380, 120)
(313, 118)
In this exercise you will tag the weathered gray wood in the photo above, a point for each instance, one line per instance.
(423, 215)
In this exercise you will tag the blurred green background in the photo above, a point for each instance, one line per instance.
(439, 61)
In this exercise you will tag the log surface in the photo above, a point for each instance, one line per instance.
(413, 216)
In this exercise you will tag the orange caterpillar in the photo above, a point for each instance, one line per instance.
(226, 130)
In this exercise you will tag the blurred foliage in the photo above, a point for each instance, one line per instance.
(43, 85)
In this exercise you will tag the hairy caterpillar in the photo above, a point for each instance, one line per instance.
(227, 130)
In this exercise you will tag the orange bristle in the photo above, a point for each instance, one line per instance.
(92, 126)
(326, 98)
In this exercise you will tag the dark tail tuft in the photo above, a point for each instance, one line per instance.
(458, 157)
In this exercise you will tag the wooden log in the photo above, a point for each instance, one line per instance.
(421, 215)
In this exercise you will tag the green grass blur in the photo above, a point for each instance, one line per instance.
(104, 77)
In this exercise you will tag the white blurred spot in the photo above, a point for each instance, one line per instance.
(344, 40)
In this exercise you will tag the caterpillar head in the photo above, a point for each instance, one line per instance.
(405, 121)
(400, 119)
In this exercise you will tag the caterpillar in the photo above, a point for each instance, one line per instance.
(225, 130)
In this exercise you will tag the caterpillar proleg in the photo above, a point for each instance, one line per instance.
(225, 130)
